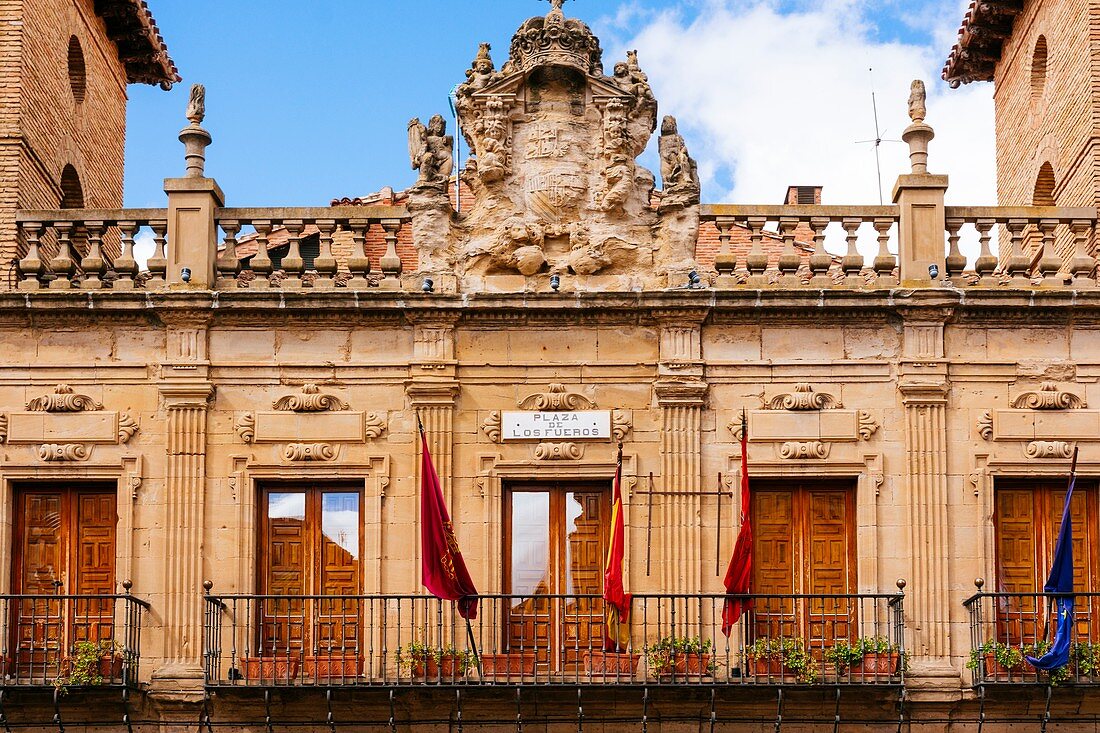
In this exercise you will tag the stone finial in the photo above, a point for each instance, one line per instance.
(918, 97)
(557, 4)
(918, 134)
(194, 138)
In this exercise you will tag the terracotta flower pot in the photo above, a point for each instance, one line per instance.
(336, 667)
(771, 669)
(610, 664)
(509, 666)
(448, 668)
(886, 664)
(994, 670)
(270, 668)
(110, 667)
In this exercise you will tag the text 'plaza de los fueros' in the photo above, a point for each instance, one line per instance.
(211, 466)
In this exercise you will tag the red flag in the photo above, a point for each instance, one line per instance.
(739, 574)
(616, 637)
(444, 570)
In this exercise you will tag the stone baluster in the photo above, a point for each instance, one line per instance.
(93, 263)
(1018, 265)
(32, 267)
(325, 264)
(158, 262)
(956, 261)
(885, 262)
(757, 261)
(789, 261)
(228, 264)
(1050, 263)
(63, 265)
(359, 263)
(261, 262)
(820, 261)
(852, 262)
(293, 264)
(1083, 265)
(725, 262)
(125, 265)
(391, 262)
(986, 264)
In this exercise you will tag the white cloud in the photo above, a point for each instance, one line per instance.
(768, 99)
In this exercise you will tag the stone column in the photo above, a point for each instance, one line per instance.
(681, 393)
(924, 387)
(922, 225)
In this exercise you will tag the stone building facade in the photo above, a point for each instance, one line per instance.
(212, 470)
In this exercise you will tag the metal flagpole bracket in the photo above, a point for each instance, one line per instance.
(779, 713)
(651, 492)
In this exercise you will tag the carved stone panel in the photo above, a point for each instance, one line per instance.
(838, 426)
(103, 428)
(330, 427)
(1028, 425)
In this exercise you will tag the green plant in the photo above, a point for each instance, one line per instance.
(463, 659)
(1007, 656)
(413, 654)
(1086, 658)
(844, 653)
(791, 653)
(661, 655)
(83, 668)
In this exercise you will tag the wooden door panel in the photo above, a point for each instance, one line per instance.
(96, 522)
(828, 565)
(773, 561)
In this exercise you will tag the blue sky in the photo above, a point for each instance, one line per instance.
(310, 101)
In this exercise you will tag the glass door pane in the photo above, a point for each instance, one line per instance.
(529, 618)
(285, 573)
(585, 556)
(338, 618)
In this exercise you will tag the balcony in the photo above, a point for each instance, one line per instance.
(91, 640)
(675, 640)
(1004, 627)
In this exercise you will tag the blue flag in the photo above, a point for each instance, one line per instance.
(1061, 581)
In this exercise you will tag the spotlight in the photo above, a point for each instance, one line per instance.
(185, 273)
(429, 285)
(555, 282)
(693, 279)
(933, 271)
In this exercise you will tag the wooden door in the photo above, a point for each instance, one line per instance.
(1027, 515)
(804, 544)
(310, 571)
(555, 545)
(64, 545)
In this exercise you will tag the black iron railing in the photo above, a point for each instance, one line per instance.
(70, 640)
(1007, 627)
(402, 640)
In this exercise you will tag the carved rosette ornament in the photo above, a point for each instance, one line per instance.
(246, 427)
(374, 425)
(559, 452)
(491, 426)
(804, 450)
(311, 399)
(1048, 397)
(1049, 449)
(803, 399)
(63, 399)
(985, 425)
(300, 452)
(63, 452)
(127, 427)
(557, 398)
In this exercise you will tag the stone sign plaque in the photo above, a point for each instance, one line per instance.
(581, 425)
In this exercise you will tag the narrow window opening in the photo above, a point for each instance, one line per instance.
(78, 73)
(1039, 69)
(72, 193)
(1044, 187)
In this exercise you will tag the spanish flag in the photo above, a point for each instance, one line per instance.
(616, 599)
(739, 574)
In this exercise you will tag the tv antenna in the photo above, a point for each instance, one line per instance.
(878, 140)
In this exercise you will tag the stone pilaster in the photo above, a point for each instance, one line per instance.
(681, 393)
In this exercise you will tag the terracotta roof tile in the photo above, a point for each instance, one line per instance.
(141, 48)
(981, 37)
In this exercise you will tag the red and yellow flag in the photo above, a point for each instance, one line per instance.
(617, 600)
(739, 574)
(444, 570)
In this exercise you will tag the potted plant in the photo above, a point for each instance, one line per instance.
(677, 656)
(91, 664)
(509, 665)
(868, 656)
(599, 663)
(328, 664)
(778, 659)
(422, 662)
(1085, 658)
(996, 660)
(454, 663)
(279, 667)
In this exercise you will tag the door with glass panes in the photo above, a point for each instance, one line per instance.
(310, 571)
(64, 541)
(555, 547)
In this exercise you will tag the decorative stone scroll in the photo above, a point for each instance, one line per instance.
(311, 399)
(310, 452)
(491, 426)
(985, 425)
(1049, 449)
(374, 425)
(868, 425)
(803, 398)
(557, 398)
(55, 452)
(127, 427)
(1048, 397)
(559, 452)
(622, 422)
(246, 426)
(815, 450)
(63, 399)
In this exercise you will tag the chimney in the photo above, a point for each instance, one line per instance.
(803, 196)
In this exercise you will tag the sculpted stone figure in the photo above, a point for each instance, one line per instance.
(679, 171)
(918, 102)
(491, 153)
(618, 157)
(482, 73)
(430, 151)
(196, 108)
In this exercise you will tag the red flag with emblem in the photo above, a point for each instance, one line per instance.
(739, 574)
(444, 570)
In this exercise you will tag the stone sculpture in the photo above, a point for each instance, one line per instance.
(918, 102)
(483, 72)
(196, 108)
(679, 171)
(430, 149)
